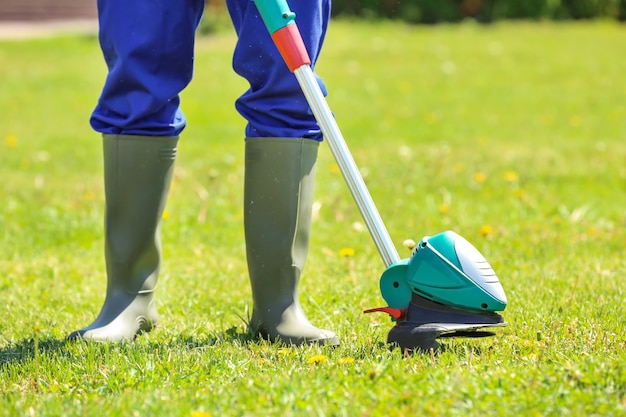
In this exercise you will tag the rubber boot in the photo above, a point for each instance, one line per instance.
(137, 176)
(278, 197)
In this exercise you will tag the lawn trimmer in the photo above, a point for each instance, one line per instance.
(446, 288)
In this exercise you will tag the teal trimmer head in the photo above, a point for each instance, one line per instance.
(445, 289)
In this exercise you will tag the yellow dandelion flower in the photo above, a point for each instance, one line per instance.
(200, 413)
(485, 230)
(284, 351)
(511, 176)
(166, 215)
(431, 118)
(405, 86)
(317, 359)
(548, 120)
(443, 208)
(519, 193)
(334, 169)
(346, 252)
(479, 177)
(345, 361)
(10, 141)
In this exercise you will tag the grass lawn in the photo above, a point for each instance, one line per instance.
(513, 135)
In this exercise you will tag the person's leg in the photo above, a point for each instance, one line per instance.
(148, 48)
(274, 105)
(281, 152)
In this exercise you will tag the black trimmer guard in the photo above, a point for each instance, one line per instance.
(425, 321)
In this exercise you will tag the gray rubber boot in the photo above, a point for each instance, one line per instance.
(278, 197)
(137, 175)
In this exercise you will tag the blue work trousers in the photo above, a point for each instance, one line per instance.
(148, 46)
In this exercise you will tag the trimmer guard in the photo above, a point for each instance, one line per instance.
(424, 321)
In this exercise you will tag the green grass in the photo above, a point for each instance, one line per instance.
(513, 135)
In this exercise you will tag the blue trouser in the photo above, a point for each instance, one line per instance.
(148, 46)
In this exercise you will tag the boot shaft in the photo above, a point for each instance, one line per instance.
(278, 198)
(137, 174)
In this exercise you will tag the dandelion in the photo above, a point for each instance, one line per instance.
(284, 351)
(443, 208)
(511, 176)
(431, 118)
(200, 413)
(346, 252)
(405, 86)
(479, 177)
(10, 141)
(166, 215)
(548, 120)
(317, 359)
(345, 361)
(334, 169)
(485, 230)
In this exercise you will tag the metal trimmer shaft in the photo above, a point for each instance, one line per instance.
(340, 151)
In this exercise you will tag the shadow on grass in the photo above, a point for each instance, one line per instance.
(28, 349)
(32, 348)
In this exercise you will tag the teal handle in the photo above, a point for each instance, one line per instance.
(275, 14)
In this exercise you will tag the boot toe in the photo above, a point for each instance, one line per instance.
(126, 325)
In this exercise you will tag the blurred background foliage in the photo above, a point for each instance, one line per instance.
(451, 11)
(430, 11)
